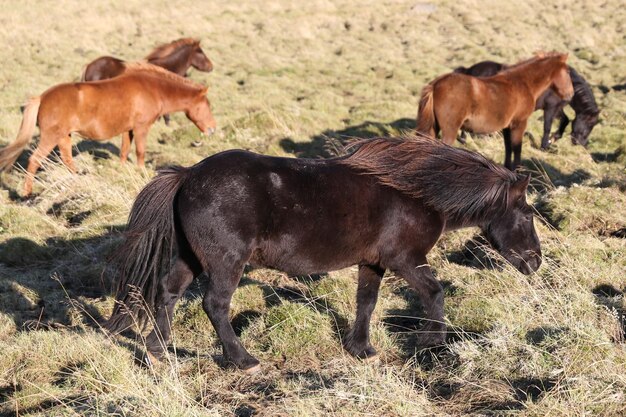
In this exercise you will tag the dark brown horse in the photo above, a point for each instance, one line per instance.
(100, 110)
(583, 103)
(504, 101)
(383, 207)
(177, 57)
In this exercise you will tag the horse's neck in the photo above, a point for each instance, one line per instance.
(538, 79)
(177, 61)
(175, 97)
(452, 224)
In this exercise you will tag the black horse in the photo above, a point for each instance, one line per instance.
(583, 103)
(382, 207)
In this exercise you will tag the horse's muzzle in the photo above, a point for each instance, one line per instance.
(209, 131)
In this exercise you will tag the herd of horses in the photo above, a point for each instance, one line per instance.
(383, 206)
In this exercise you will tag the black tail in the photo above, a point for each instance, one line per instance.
(146, 254)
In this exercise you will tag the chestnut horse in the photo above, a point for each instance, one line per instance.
(583, 103)
(503, 101)
(100, 110)
(177, 57)
(383, 207)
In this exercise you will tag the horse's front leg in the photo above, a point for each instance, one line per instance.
(517, 134)
(357, 341)
(548, 118)
(421, 279)
(563, 122)
(140, 134)
(127, 139)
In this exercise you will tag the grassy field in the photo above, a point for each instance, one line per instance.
(296, 78)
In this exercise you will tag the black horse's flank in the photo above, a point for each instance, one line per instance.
(382, 207)
(583, 103)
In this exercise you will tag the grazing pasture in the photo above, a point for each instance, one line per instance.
(297, 79)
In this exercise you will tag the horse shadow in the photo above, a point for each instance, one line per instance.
(611, 298)
(36, 303)
(97, 149)
(475, 254)
(330, 142)
(546, 176)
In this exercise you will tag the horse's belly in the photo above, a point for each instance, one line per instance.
(101, 130)
(483, 125)
(309, 253)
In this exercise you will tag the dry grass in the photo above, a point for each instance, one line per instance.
(296, 78)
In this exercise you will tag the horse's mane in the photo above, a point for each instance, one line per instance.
(167, 49)
(539, 56)
(584, 93)
(462, 184)
(145, 67)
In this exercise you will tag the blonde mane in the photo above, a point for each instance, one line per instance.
(167, 49)
(146, 67)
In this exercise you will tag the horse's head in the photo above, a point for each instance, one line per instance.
(581, 127)
(512, 232)
(561, 80)
(199, 60)
(200, 113)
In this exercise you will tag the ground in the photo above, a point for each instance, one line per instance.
(296, 79)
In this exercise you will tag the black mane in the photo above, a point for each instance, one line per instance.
(463, 184)
(583, 94)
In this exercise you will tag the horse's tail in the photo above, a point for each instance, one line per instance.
(146, 254)
(426, 112)
(11, 152)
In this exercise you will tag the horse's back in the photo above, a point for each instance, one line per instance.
(296, 215)
(103, 68)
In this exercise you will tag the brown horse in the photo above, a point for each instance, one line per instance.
(177, 57)
(504, 101)
(103, 109)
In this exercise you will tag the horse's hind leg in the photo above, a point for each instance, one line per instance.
(358, 340)
(65, 147)
(170, 290)
(222, 284)
(449, 129)
(45, 146)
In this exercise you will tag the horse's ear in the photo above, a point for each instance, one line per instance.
(564, 57)
(204, 91)
(518, 189)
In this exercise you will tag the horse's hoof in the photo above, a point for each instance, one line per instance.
(371, 358)
(148, 360)
(252, 370)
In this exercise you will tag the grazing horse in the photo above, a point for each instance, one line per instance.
(382, 207)
(583, 103)
(127, 104)
(504, 101)
(177, 57)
